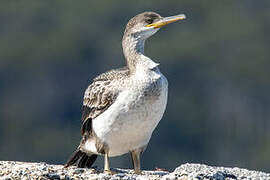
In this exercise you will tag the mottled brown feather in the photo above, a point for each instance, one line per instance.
(99, 95)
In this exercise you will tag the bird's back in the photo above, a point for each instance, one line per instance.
(114, 74)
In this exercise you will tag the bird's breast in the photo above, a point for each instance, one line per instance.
(150, 83)
(130, 121)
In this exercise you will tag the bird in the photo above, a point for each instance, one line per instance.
(122, 107)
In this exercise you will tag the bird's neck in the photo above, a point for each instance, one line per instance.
(133, 48)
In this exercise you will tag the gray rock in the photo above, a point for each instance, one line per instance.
(42, 171)
(201, 171)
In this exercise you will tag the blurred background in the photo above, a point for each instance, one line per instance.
(216, 61)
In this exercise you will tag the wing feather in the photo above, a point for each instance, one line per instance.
(99, 96)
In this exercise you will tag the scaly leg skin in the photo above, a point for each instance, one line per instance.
(106, 164)
(135, 155)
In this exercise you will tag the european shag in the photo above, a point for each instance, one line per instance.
(122, 107)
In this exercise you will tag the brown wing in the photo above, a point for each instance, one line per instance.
(99, 96)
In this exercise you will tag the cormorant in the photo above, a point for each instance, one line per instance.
(122, 107)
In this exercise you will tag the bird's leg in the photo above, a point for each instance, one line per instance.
(107, 169)
(135, 155)
(106, 162)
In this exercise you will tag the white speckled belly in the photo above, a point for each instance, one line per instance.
(129, 122)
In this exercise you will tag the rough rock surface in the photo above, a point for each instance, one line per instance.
(20, 170)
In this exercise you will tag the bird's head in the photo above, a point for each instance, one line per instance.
(146, 24)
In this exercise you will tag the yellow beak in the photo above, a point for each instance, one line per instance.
(167, 20)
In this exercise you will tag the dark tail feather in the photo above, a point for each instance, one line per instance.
(74, 158)
(91, 160)
(82, 158)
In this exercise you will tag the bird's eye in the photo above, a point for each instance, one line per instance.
(149, 21)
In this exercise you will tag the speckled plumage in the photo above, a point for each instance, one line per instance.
(138, 102)
(122, 107)
(103, 91)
